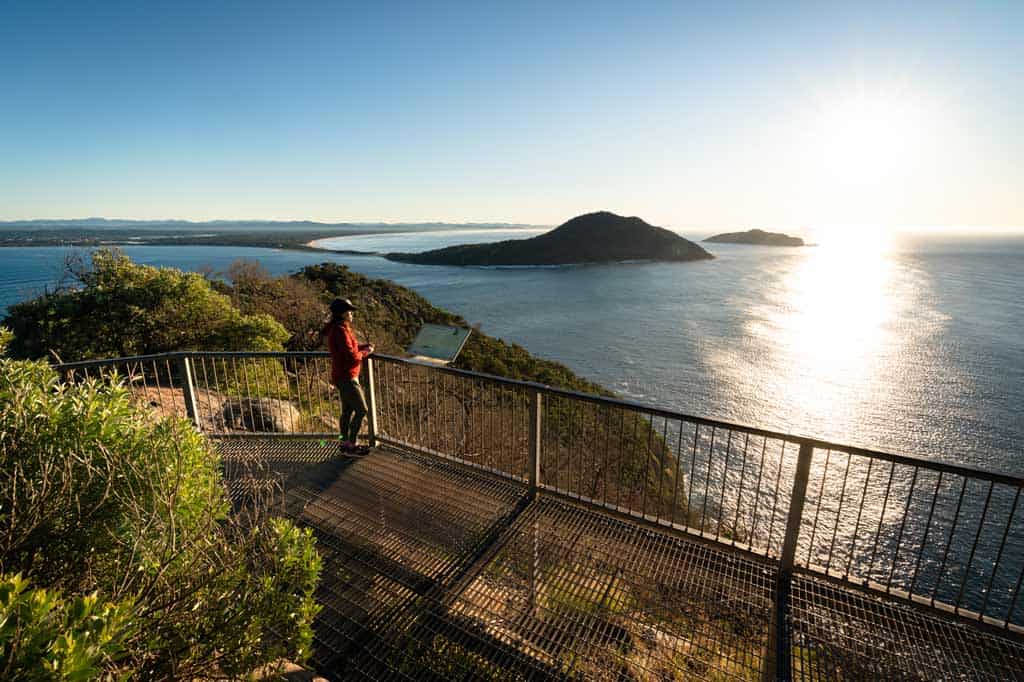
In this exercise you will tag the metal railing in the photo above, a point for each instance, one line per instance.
(947, 538)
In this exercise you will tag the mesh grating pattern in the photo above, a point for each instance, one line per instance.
(570, 593)
(436, 571)
(389, 528)
(842, 634)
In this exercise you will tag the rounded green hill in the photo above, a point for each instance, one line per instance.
(601, 237)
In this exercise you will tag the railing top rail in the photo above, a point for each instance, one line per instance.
(908, 460)
(192, 354)
(116, 361)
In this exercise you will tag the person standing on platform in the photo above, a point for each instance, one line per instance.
(346, 361)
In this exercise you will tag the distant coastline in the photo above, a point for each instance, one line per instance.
(295, 236)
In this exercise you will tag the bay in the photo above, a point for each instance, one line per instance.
(911, 347)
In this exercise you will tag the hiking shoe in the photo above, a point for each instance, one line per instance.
(352, 450)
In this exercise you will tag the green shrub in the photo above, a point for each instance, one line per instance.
(118, 308)
(98, 498)
(44, 637)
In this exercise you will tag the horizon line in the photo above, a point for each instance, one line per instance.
(902, 229)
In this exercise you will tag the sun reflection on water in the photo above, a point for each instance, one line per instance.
(829, 324)
(840, 302)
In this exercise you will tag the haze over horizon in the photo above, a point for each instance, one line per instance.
(730, 116)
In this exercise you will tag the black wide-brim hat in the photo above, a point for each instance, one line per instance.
(341, 305)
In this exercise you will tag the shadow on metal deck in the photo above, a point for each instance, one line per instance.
(433, 570)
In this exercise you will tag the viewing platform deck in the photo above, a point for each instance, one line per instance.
(503, 529)
(435, 570)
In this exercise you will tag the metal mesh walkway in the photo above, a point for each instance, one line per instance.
(433, 570)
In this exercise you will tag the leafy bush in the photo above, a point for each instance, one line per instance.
(118, 308)
(98, 498)
(298, 304)
(44, 637)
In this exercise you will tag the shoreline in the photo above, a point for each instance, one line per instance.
(302, 241)
(212, 235)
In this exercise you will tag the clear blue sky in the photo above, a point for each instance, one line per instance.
(689, 115)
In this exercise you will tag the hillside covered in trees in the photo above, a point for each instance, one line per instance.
(113, 307)
(116, 308)
(600, 237)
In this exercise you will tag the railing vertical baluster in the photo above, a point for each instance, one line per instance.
(371, 402)
(777, 658)
(536, 422)
(188, 391)
(860, 510)
(903, 524)
(974, 547)
(818, 503)
(999, 555)
(949, 542)
(725, 484)
(924, 538)
(775, 494)
(693, 474)
(757, 499)
(679, 451)
(707, 482)
(839, 512)
(739, 499)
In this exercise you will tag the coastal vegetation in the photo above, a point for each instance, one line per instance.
(120, 555)
(600, 237)
(607, 452)
(116, 308)
(109, 306)
(757, 237)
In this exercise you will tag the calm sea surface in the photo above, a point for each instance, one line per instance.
(915, 348)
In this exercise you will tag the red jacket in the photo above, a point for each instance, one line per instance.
(346, 355)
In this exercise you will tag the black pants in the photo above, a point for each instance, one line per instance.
(353, 409)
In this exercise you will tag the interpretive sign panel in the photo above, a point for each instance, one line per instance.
(438, 342)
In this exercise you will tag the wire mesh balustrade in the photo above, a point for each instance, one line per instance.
(472, 418)
(715, 480)
(933, 534)
(926, 531)
(154, 381)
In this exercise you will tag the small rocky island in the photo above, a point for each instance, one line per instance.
(759, 237)
(601, 237)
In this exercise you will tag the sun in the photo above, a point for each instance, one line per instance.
(866, 138)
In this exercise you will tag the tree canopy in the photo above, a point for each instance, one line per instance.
(114, 307)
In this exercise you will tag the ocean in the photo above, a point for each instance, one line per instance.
(912, 347)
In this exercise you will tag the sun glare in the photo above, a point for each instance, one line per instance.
(864, 138)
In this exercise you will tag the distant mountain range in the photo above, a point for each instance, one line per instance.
(600, 237)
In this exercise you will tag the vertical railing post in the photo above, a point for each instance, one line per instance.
(533, 473)
(371, 400)
(188, 391)
(536, 420)
(777, 656)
